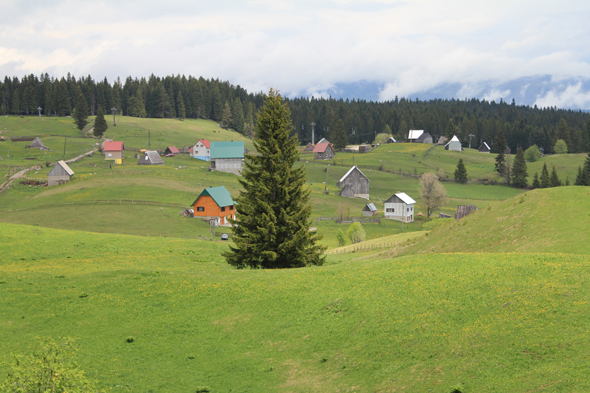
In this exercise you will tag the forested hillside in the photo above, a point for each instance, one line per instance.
(234, 107)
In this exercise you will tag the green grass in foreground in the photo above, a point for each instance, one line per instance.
(489, 322)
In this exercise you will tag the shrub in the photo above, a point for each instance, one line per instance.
(532, 154)
(203, 389)
(356, 233)
(341, 237)
(560, 147)
(130, 339)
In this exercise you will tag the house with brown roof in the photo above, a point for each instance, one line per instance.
(323, 151)
(113, 150)
(202, 150)
(171, 150)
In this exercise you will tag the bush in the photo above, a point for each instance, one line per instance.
(203, 389)
(560, 147)
(356, 233)
(532, 154)
(341, 237)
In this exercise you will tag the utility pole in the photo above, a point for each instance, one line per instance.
(39, 109)
(8, 156)
(326, 187)
(113, 109)
(470, 136)
(149, 140)
(65, 142)
(312, 133)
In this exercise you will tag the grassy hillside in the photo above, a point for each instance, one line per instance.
(486, 322)
(549, 220)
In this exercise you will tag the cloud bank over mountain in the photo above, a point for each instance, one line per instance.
(534, 52)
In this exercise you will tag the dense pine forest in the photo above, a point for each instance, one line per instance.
(233, 107)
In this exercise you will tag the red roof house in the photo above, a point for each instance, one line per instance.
(113, 150)
(323, 151)
(171, 150)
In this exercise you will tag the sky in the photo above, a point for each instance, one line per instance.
(536, 52)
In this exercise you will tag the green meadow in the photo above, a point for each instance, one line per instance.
(497, 301)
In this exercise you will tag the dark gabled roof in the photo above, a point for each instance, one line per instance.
(227, 150)
(152, 157)
(220, 195)
(369, 207)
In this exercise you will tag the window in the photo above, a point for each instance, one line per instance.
(231, 207)
(200, 209)
(223, 209)
(390, 210)
(146, 158)
(109, 154)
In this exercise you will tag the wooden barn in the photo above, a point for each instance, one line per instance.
(202, 150)
(464, 210)
(150, 157)
(59, 174)
(454, 144)
(369, 210)
(400, 207)
(354, 184)
(227, 156)
(308, 148)
(424, 138)
(215, 202)
(37, 144)
(391, 140)
(323, 151)
(484, 148)
(442, 140)
(171, 150)
(113, 150)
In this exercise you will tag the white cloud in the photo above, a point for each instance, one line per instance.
(571, 97)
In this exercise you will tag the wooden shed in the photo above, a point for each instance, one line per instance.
(215, 202)
(424, 138)
(464, 210)
(171, 150)
(391, 140)
(59, 174)
(308, 148)
(37, 144)
(400, 207)
(484, 148)
(150, 157)
(357, 181)
(369, 210)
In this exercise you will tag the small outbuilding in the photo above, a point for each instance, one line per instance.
(356, 181)
(464, 210)
(227, 156)
(150, 157)
(202, 150)
(442, 140)
(308, 148)
(113, 150)
(369, 210)
(59, 174)
(37, 144)
(484, 148)
(424, 138)
(215, 202)
(323, 151)
(171, 150)
(454, 144)
(391, 140)
(413, 135)
(400, 207)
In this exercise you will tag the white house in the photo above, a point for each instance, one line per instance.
(413, 135)
(400, 207)
(454, 144)
(202, 150)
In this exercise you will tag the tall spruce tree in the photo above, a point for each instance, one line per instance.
(100, 124)
(338, 135)
(227, 117)
(545, 180)
(461, 172)
(500, 148)
(273, 209)
(519, 174)
(555, 182)
(81, 112)
(536, 182)
(586, 171)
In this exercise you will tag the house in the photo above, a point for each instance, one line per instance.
(185, 150)
(413, 135)
(37, 144)
(354, 184)
(442, 140)
(454, 144)
(215, 202)
(59, 174)
(484, 148)
(150, 157)
(391, 140)
(323, 151)
(464, 210)
(227, 156)
(171, 150)
(400, 207)
(424, 138)
(202, 150)
(113, 150)
(369, 210)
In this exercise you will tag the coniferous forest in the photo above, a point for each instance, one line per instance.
(189, 97)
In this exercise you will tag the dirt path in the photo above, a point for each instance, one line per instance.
(21, 174)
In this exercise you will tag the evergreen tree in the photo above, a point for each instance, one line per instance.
(580, 177)
(519, 174)
(181, 110)
(451, 129)
(100, 124)
(545, 180)
(554, 179)
(226, 118)
(274, 209)
(81, 112)
(461, 172)
(586, 171)
(500, 147)
(15, 103)
(536, 182)
(139, 107)
(63, 99)
(238, 116)
(338, 135)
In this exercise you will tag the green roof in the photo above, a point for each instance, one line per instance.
(227, 150)
(219, 194)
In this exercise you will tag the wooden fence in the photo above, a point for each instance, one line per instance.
(360, 247)
(119, 201)
(350, 220)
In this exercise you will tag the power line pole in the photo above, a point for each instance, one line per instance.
(65, 142)
(470, 136)
(312, 133)
(113, 109)
(39, 109)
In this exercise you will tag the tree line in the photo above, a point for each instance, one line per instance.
(234, 107)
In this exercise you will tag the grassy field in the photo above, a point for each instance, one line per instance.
(486, 322)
